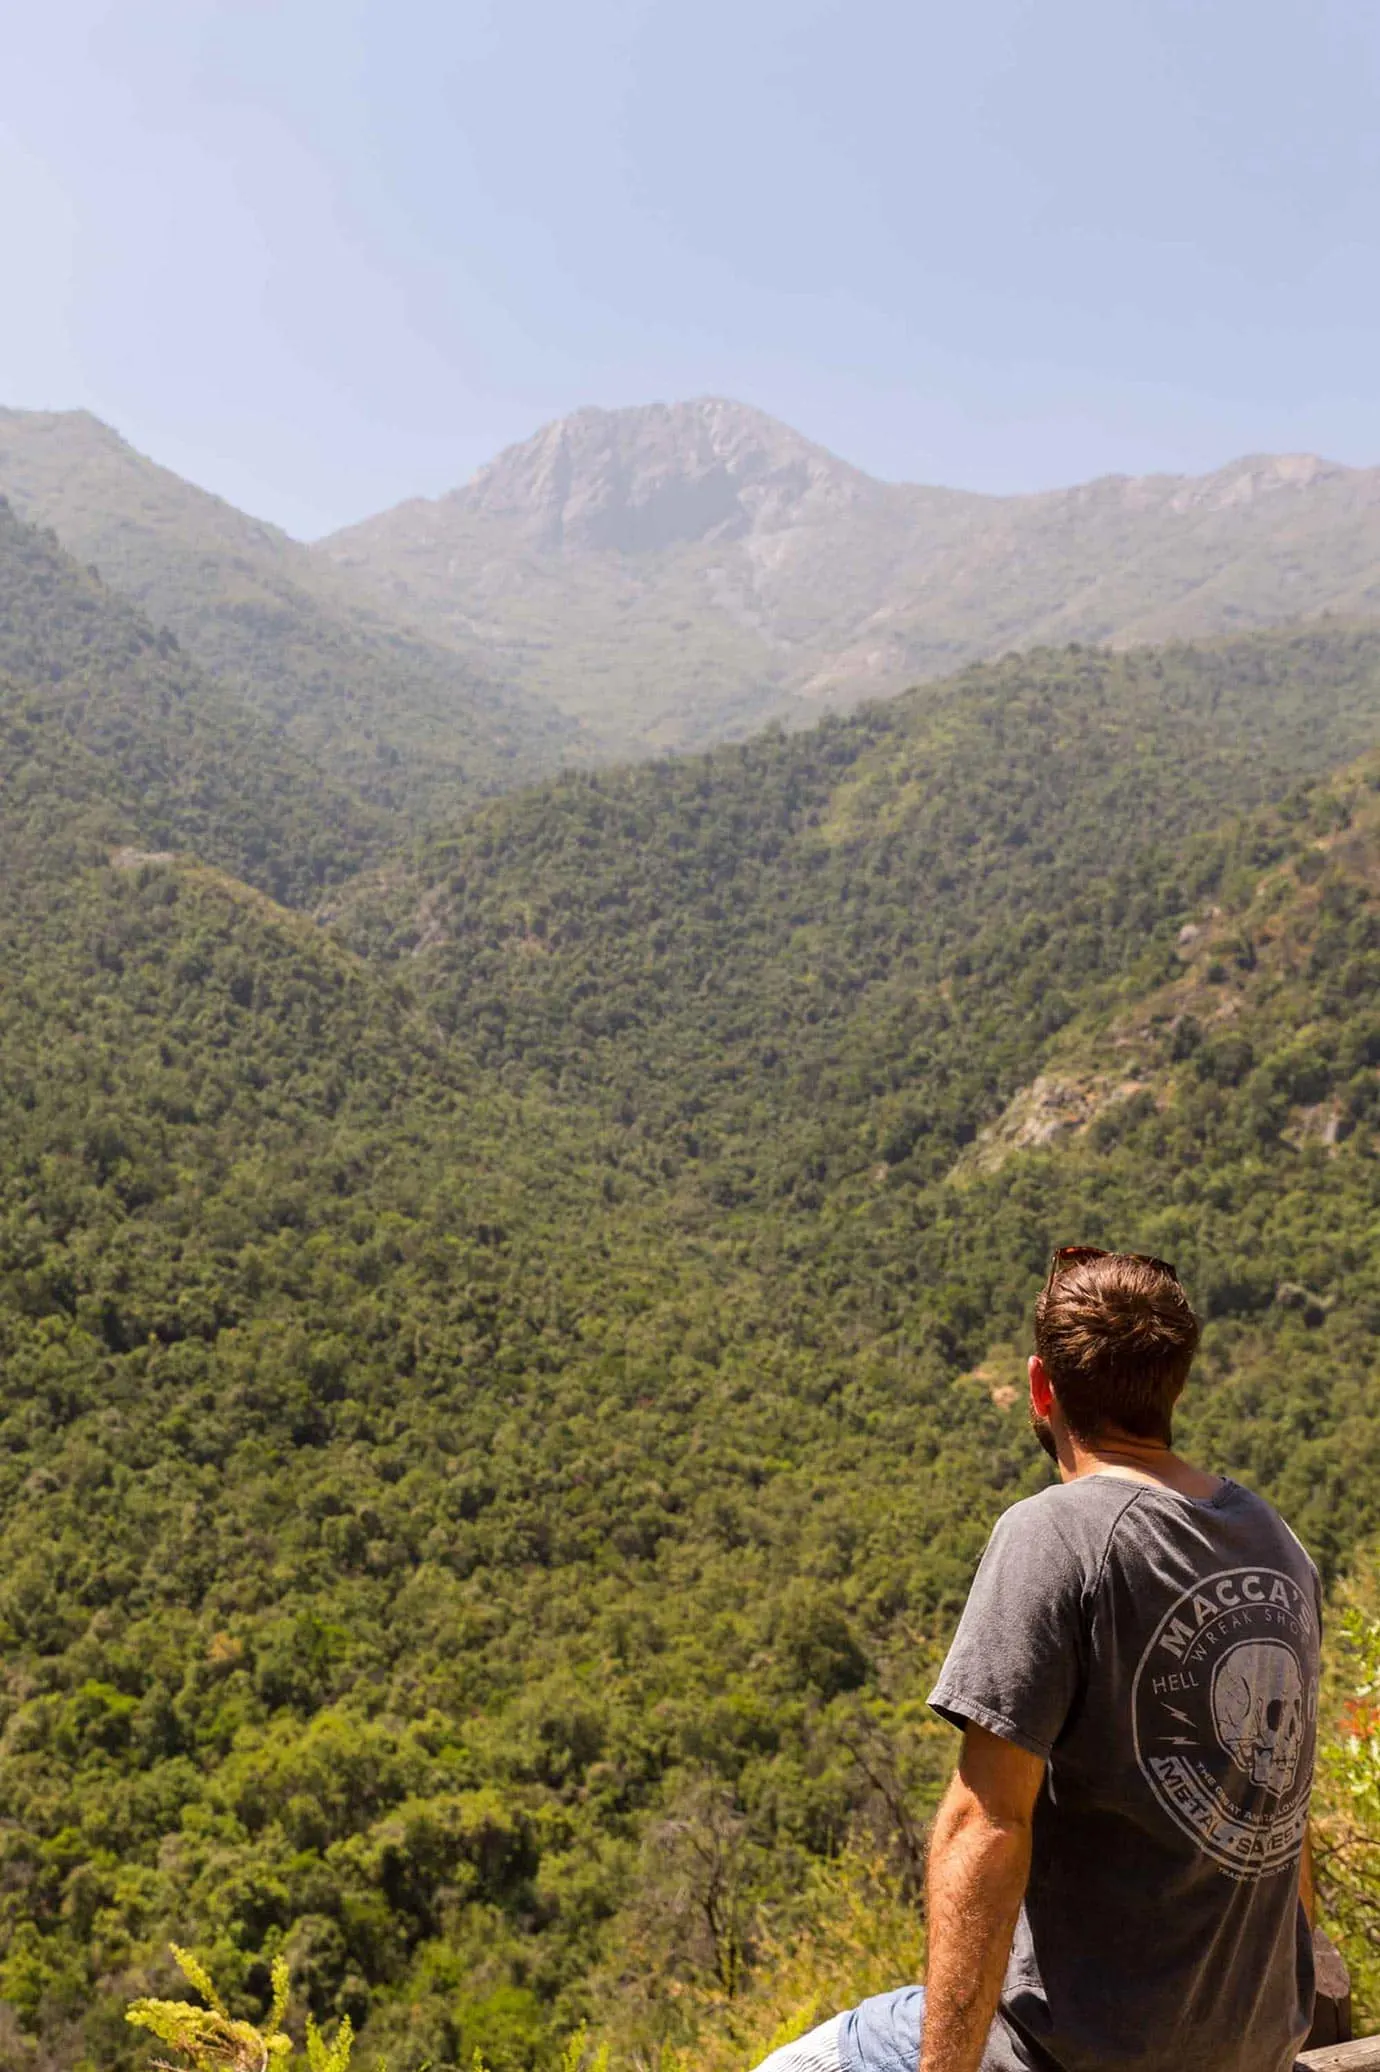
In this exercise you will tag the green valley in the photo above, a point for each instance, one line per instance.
(507, 1330)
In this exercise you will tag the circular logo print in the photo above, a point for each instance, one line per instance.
(1224, 1708)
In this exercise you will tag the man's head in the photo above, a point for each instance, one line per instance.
(1114, 1340)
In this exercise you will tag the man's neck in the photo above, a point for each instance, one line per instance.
(1124, 1456)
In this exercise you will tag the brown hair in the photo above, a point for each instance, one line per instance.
(1117, 1336)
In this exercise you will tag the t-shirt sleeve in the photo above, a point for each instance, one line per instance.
(1018, 1657)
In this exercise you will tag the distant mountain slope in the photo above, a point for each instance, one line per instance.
(402, 718)
(674, 575)
(109, 733)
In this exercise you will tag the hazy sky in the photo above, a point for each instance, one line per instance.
(323, 254)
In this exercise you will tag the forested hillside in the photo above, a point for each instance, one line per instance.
(505, 1379)
(849, 944)
(97, 706)
(403, 721)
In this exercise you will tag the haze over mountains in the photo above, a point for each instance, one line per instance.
(664, 577)
(674, 575)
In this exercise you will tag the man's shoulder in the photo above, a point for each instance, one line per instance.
(1103, 1517)
(1077, 1517)
(1058, 1505)
(1272, 1523)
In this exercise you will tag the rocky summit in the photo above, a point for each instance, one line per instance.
(640, 481)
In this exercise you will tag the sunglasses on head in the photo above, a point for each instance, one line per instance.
(1066, 1256)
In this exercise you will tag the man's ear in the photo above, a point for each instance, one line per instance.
(1041, 1393)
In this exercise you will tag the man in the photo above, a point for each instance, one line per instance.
(1119, 1871)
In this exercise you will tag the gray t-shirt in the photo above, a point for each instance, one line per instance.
(1161, 1654)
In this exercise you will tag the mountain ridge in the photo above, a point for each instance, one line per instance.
(659, 578)
(728, 432)
(671, 574)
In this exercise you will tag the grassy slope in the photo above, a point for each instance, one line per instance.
(402, 720)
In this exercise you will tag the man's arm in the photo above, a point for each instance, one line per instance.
(979, 1863)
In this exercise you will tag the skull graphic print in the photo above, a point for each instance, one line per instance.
(1225, 1716)
(1258, 1710)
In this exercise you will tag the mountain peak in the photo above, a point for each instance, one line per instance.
(661, 475)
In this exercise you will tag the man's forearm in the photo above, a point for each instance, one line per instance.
(978, 1871)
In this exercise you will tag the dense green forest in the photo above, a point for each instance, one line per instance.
(88, 687)
(508, 1345)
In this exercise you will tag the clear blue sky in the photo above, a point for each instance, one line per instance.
(323, 254)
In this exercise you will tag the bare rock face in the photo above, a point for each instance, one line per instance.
(1050, 1111)
(641, 480)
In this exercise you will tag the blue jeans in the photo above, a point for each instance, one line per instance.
(882, 2035)
(817, 2052)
